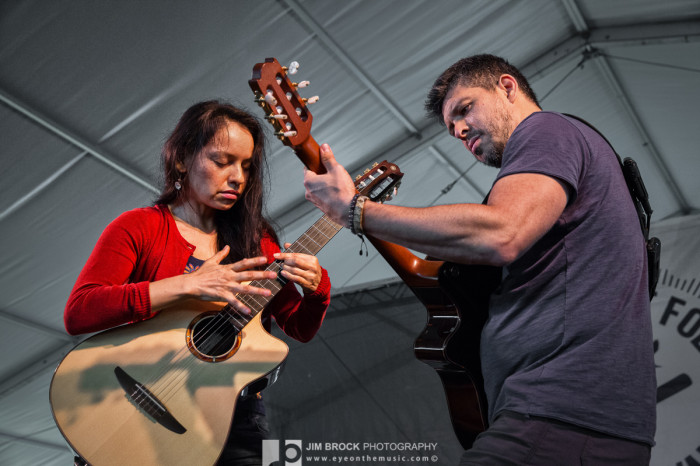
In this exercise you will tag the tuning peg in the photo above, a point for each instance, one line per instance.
(293, 67)
(285, 134)
(311, 100)
(392, 194)
(301, 85)
(270, 99)
(273, 116)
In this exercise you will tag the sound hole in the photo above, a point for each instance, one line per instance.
(212, 337)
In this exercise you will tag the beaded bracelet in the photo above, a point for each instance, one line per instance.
(351, 211)
(357, 216)
(355, 211)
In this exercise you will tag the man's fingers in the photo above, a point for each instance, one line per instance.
(327, 157)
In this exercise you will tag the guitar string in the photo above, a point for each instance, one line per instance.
(252, 301)
(209, 335)
(201, 339)
(301, 245)
(307, 243)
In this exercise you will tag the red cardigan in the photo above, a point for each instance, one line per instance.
(144, 245)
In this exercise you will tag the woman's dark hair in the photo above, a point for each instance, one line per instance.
(475, 71)
(242, 226)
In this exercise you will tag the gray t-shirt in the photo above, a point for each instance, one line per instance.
(569, 330)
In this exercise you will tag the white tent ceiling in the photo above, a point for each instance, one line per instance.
(89, 90)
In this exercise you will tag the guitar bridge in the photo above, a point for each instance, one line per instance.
(147, 402)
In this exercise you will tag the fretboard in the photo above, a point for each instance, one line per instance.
(310, 242)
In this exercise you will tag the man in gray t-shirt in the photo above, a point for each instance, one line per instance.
(566, 352)
(565, 329)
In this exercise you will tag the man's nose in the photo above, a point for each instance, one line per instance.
(460, 129)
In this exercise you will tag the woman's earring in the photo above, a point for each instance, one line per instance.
(178, 184)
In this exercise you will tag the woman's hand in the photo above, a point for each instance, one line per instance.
(212, 281)
(302, 269)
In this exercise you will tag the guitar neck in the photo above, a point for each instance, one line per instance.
(416, 272)
(309, 153)
(310, 242)
(316, 237)
(286, 110)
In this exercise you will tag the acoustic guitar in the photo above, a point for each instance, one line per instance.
(456, 296)
(164, 390)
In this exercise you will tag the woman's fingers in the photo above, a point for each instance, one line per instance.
(302, 269)
(218, 257)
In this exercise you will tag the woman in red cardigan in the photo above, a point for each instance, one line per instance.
(205, 239)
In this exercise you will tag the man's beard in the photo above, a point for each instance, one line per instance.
(494, 157)
(491, 153)
(499, 135)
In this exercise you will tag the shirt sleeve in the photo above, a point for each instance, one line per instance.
(102, 296)
(547, 143)
(298, 316)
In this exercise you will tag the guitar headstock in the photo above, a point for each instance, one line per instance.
(286, 110)
(379, 182)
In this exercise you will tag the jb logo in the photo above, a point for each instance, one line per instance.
(286, 453)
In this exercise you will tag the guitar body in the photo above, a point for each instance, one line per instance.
(457, 308)
(456, 297)
(89, 399)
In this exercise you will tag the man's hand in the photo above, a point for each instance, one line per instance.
(331, 192)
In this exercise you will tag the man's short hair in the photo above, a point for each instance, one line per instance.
(475, 71)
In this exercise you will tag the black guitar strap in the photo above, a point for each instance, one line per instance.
(640, 198)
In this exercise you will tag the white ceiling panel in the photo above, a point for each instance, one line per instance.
(90, 90)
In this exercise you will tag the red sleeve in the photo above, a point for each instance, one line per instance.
(299, 317)
(102, 297)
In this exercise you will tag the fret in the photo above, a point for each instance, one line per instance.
(310, 242)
